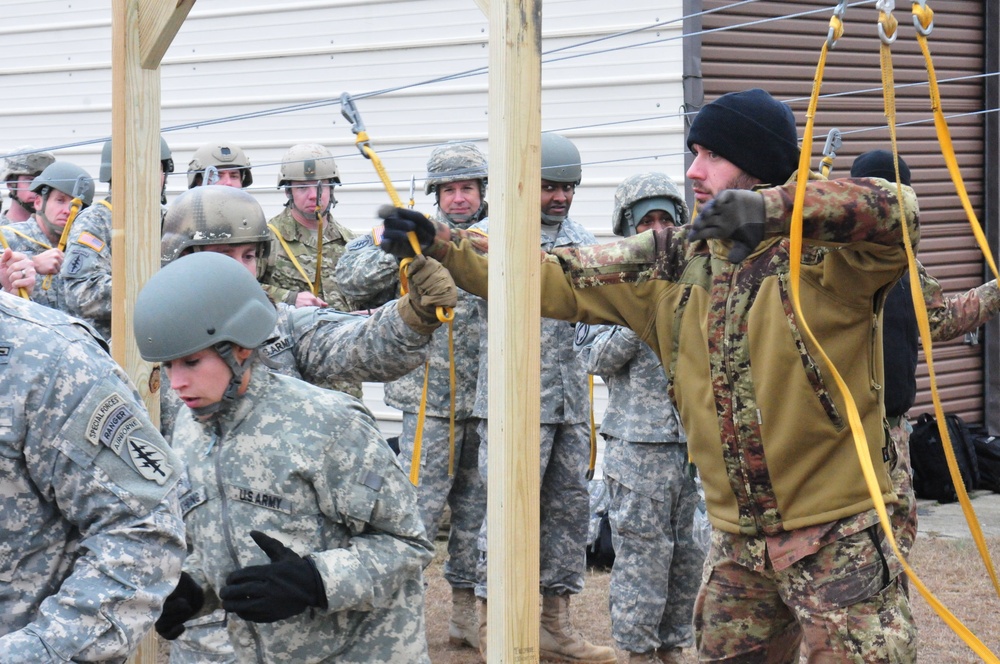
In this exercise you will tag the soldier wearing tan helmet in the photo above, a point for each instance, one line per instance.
(219, 163)
(308, 176)
(22, 166)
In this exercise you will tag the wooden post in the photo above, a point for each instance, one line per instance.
(141, 32)
(514, 329)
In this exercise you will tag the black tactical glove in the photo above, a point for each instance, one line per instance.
(397, 223)
(286, 587)
(181, 605)
(735, 214)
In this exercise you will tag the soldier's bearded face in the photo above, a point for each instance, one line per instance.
(710, 173)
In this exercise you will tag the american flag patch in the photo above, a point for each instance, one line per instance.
(377, 234)
(91, 240)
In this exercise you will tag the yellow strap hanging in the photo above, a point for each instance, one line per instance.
(445, 315)
(74, 209)
(887, 27)
(923, 21)
(295, 262)
(593, 431)
(317, 284)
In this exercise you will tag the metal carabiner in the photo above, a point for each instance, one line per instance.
(886, 7)
(350, 113)
(211, 175)
(918, 17)
(838, 18)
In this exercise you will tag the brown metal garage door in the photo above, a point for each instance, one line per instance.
(767, 45)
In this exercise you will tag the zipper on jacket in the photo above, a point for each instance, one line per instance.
(726, 347)
(226, 522)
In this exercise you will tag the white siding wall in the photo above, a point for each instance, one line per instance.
(618, 97)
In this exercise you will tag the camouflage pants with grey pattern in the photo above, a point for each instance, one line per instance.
(564, 507)
(464, 493)
(657, 566)
(844, 603)
(904, 513)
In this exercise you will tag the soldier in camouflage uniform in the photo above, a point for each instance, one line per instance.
(91, 537)
(949, 317)
(86, 270)
(319, 345)
(19, 170)
(565, 431)
(39, 236)
(457, 176)
(224, 164)
(796, 552)
(308, 176)
(301, 523)
(649, 478)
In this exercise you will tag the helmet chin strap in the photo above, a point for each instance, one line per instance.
(311, 214)
(464, 218)
(225, 351)
(51, 230)
(30, 209)
(553, 220)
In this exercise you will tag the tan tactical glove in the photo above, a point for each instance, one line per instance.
(431, 286)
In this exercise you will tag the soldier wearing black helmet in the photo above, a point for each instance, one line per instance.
(21, 167)
(86, 271)
(308, 177)
(63, 190)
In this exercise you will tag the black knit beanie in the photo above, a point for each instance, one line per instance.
(878, 164)
(753, 130)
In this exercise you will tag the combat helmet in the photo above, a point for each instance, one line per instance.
(214, 214)
(166, 160)
(640, 193)
(220, 156)
(26, 161)
(308, 161)
(68, 178)
(204, 300)
(560, 159)
(452, 162)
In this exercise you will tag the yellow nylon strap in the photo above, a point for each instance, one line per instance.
(362, 143)
(445, 315)
(853, 416)
(593, 430)
(317, 284)
(295, 262)
(418, 435)
(925, 16)
(74, 209)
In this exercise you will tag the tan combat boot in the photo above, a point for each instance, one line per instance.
(643, 658)
(482, 628)
(559, 641)
(463, 629)
(670, 655)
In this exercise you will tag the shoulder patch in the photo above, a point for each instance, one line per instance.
(362, 242)
(110, 415)
(74, 262)
(90, 240)
(151, 462)
(277, 346)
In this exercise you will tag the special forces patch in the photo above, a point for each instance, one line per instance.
(111, 423)
(149, 460)
(74, 263)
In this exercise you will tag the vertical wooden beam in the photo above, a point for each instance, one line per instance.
(135, 219)
(514, 329)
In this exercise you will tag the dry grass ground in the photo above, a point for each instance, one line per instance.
(951, 569)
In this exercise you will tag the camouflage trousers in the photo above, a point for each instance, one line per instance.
(904, 514)
(564, 507)
(844, 603)
(464, 493)
(657, 566)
